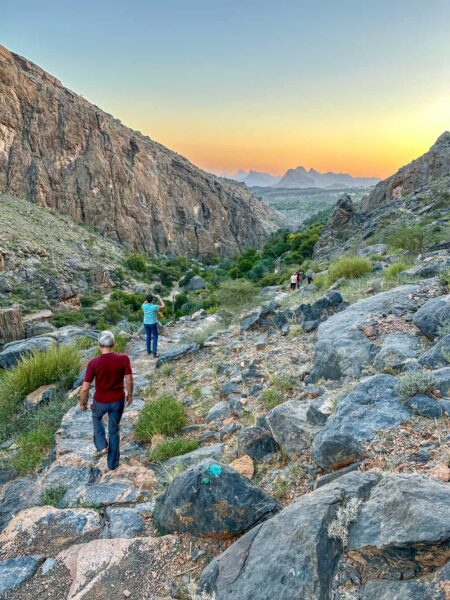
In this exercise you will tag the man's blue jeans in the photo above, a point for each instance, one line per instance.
(115, 412)
(152, 336)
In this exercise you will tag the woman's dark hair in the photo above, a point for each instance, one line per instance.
(150, 297)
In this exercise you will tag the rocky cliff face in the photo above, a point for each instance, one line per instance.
(61, 152)
(419, 173)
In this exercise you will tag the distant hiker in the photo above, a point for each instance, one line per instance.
(109, 371)
(299, 279)
(151, 308)
(293, 281)
(310, 275)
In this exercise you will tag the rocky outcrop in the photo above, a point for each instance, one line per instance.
(61, 152)
(432, 165)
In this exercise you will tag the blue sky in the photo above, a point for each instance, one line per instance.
(356, 85)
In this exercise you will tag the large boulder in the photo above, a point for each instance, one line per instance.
(343, 349)
(212, 500)
(291, 428)
(48, 530)
(432, 315)
(195, 283)
(18, 495)
(290, 556)
(14, 572)
(396, 350)
(268, 318)
(403, 529)
(310, 315)
(371, 406)
(438, 355)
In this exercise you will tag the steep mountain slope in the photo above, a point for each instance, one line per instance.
(418, 194)
(61, 152)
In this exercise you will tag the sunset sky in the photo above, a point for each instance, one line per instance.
(361, 86)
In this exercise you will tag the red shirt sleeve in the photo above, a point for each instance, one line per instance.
(128, 370)
(90, 372)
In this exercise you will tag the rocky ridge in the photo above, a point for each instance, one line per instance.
(63, 153)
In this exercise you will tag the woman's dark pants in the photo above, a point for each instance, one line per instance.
(115, 412)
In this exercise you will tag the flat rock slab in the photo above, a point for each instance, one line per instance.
(48, 530)
(103, 494)
(289, 556)
(123, 523)
(184, 461)
(371, 406)
(212, 500)
(176, 352)
(438, 355)
(16, 571)
(396, 350)
(17, 495)
(342, 349)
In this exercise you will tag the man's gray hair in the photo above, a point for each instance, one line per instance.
(106, 339)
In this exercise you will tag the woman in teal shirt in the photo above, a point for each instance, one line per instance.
(151, 309)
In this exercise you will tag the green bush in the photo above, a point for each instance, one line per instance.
(235, 294)
(271, 397)
(164, 415)
(415, 382)
(350, 267)
(170, 448)
(90, 299)
(59, 365)
(395, 269)
(411, 238)
(137, 263)
(54, 497)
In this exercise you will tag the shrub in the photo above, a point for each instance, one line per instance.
(170, 448)
(137, 263)
(90, 299)
(54, 496)
(57, 365)
(350, 267)
(164, 415)
(395, 269)
(271, 397)
(411, 238)
(283, 383)
(415, 382)
(235, 294)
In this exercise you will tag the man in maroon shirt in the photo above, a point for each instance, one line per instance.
(109, 371)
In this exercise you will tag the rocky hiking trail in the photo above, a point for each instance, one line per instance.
(317, 476)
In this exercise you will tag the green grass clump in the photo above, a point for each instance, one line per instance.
(54, 497)
(236, 293)
(283, 383)
(170, 448)
(415, 382)
(350, 267)
(395, 269)
(271, 397)
(58, 365)
(165, 415)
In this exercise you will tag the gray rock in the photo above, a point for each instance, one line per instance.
(371, 406)
(123, 523)
(60, 475)
(342, 349)
(103, 494)
(403, 527)
(291, 428)
(176, 352)
(214, 500)
(442, 379)
(36, 328)
(425, 406)
(16, 571)
(257, 442)
(229, 388)
(382, 589)
(432, 315)
(195, 283)
(220, 410)
(310, 315)
(268, 318)
(396, 350)
(438, 355)
(316, 416)
(213, 452)
(17, 495)
(329, 477)
(373, 249)
(290, 556)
